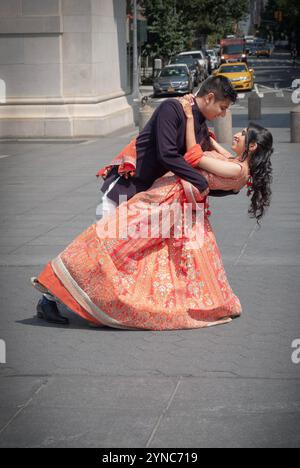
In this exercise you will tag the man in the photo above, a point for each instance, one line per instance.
(160, 149)
(294, 55)
(161, 145)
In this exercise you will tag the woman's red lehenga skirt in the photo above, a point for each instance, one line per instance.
(151, 284)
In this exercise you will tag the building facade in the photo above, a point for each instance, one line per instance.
(63, 68)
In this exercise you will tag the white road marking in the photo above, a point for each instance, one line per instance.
(88, 142)
(4, 156)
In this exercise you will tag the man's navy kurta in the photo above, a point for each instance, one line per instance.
(160, 149)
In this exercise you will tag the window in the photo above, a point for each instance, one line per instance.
(233, 49)
(234, 69)
(176, 71)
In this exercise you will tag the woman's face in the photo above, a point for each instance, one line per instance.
(239, 142)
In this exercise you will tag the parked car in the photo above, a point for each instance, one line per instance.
(199, 55)
(241, 77)
(251, 49)
(214, 58)
(192, 64)
(173, 79)
(249, 39)
(263, 50)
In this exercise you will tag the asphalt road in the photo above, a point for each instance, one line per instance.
(274, 77)
(278, 70)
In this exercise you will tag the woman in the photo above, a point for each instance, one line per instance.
(162, 282)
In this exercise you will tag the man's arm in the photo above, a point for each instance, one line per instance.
(222, 193)
(168, 122)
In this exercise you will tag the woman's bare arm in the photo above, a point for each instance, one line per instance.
(226, 169)
(190, 123)
(190, 133)
(220, 168)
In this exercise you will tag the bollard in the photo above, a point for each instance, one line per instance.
(295, 125)
(254, 106)
(223, 128)
(145, 115)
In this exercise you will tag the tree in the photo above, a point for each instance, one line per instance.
(168, 35)
(287, 21)
(174, 25)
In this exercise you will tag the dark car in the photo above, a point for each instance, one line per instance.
(251, 49)
(173, 79)
(192, 64)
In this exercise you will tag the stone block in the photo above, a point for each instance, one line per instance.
(11, 50)
(103, 8)
(25, 128)
(10, 8)
(77, 24)
(77, 80)
(40, 7)
(56, 128)
(39, 49)
(100, 46)
(31, 25)
(104, 24)
(106, 77)
(77, 48)
(76, 7)
(38, 80)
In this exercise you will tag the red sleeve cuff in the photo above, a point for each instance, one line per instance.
(194, 155)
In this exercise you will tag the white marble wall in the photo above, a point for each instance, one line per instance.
(66, 60)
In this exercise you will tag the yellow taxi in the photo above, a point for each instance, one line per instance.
(241, 77)
(263, 51)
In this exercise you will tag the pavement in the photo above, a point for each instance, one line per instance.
(229, 386)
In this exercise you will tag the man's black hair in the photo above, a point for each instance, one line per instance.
(220, 86)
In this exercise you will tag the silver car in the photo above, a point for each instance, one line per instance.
(173, 79)
(198, 55)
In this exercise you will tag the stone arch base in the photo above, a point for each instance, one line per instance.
(58, 120)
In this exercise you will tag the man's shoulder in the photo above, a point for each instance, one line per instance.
(171, 105)
(171, 109)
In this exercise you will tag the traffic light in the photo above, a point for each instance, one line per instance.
(278, 16)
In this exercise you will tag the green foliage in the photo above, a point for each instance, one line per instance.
(290, 23)
(168, 34)
(173, 25)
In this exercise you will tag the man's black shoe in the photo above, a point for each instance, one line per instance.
(47, 310)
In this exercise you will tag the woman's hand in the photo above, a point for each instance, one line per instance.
(187, 102)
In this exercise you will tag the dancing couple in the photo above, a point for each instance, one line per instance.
(162, 282)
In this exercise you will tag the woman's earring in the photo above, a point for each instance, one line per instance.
(250, 186)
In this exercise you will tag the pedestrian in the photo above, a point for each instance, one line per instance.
(209, 64)
(294, 55)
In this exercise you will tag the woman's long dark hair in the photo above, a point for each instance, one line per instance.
(260, 169)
